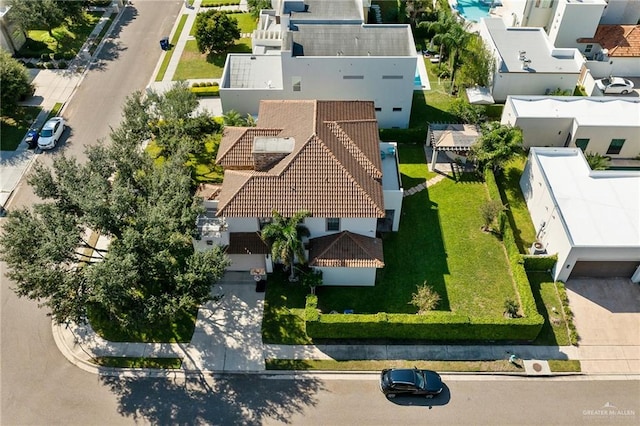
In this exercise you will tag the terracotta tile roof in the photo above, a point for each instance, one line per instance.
(237, 143)
(208, 191)
(334, 169)
(346, 249)
(247, 243)
(619, 40)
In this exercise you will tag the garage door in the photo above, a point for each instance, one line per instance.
(604, 269)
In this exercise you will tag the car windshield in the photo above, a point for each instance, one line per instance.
(46, 133)
(420, 379)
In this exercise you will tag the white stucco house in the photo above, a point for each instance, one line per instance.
(590, 219)
(612, 50)
(526, 62)
(604, 125)
(324, 157)
(324, 50)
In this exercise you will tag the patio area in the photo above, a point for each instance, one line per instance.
(447, 146)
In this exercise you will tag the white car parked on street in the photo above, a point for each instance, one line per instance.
(615, 85)
(51, 132)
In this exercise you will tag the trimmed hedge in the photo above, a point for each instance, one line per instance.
(206, 91)
(539, 263)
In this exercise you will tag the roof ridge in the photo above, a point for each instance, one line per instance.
(345, 139)
(231, 145)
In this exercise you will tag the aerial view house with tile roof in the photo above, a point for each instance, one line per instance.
(590, 219)
(604, 125)
(526, 62)
(613, 50)
(324, 157)
(324, 50)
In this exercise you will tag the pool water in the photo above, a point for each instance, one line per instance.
(416, 79)
(474, 10)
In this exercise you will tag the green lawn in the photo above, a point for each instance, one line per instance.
(246, 22)
(194, 64)
(518, 214)
(180, 331)
(13, 129)
(66, 38)
(169, 54)
(554, 331)
(413, 168)
(129, 362)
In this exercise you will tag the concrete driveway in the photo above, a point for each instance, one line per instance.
(607, 316)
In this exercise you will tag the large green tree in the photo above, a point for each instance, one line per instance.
(497, 144)
(256, 5)
(47, 14)
(477, 64)
(284, 235)
(14, 83)
(150, 273)
(216, 31)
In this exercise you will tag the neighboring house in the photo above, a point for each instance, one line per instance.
(324, 50)
(526, 61)
(12, 38)
(321, 156)
(604, 125)
(590, 219)
(613, 50)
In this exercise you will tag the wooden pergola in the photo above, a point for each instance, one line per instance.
(452, 137)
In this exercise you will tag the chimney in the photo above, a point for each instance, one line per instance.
(268, 151)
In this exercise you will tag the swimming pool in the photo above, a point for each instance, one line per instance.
(474, 10)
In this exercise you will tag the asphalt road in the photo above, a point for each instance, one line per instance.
(37, 384)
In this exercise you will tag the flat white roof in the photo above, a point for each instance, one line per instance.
(248, 71)
(536, 46)
(599, 208)
(594, 111)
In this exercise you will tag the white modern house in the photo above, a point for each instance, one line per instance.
(590, 219)
(527, 63)
(605, 125)
(324, 157)
(324, 50)
(606, 32)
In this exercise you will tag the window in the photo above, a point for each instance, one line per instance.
(397, 109)
(353, 77)
(588, 48)
(582, 144)
(616, 146)
(333, 224)
(378, 109)
(296, 83)
(392, 77)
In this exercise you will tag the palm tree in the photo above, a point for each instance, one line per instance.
(441, 26)
(284, 235)
(497, 144)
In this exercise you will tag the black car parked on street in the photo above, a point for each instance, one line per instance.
(399, 381)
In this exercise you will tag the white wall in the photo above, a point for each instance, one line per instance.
(574, 20)
(530, 83)
(348, 276)
(393, 201)
(546, 220)
(620, 67)
(540, 131)
(600, 139)
(563, 270)
(623, 12)
(323, 78)
(364, 226)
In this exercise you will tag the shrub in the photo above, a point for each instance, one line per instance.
(45, 57)
(40, 65)
(206, 91)
(68, 56)
(57, 56)
(208, 84)
(49, 65)
(196, 84)
(511, 308)
(426, 299)
(489, 211)
(539, 263)
(29, 65)
(62, 65)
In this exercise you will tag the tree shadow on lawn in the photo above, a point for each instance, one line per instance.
(511, 181)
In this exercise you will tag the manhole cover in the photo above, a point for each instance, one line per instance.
(537, 367)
